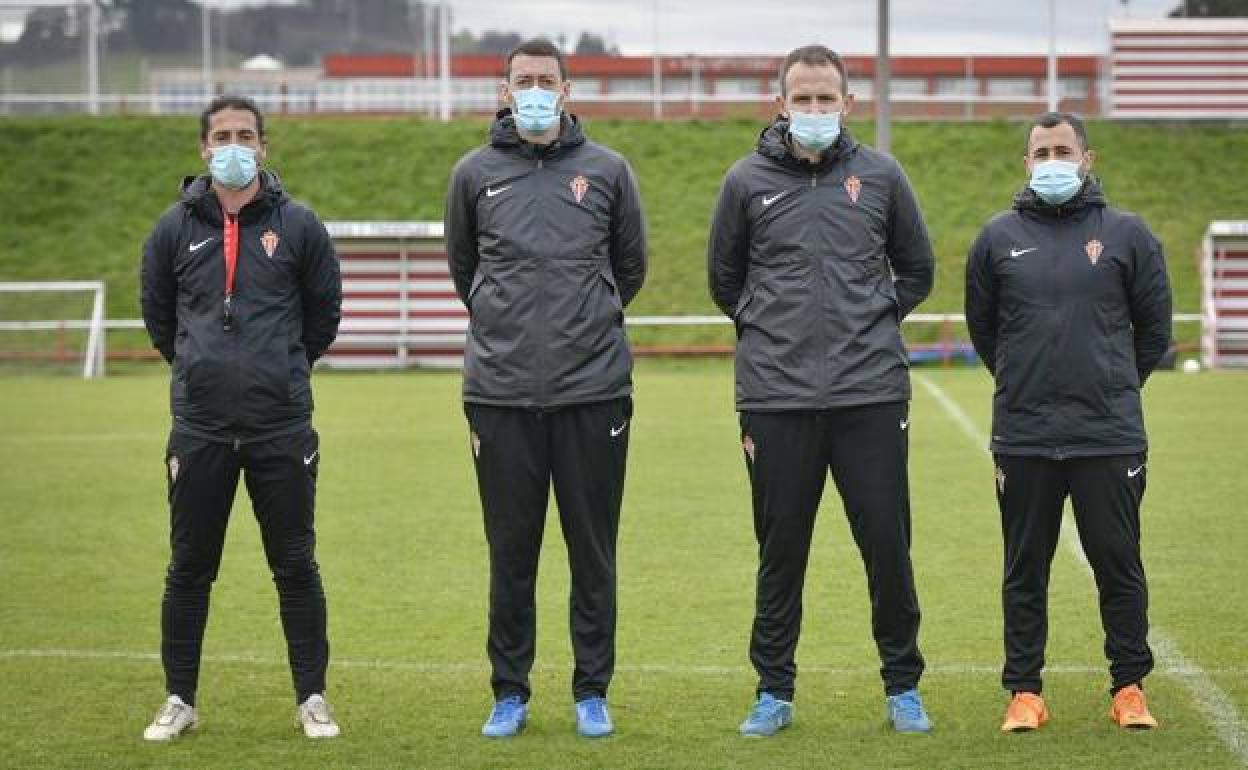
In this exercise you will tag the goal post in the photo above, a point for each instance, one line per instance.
(93, 353)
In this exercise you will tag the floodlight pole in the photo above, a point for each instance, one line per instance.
(444, 61)
(1052, 55)
(205, 47)
(883, 109)
(656, 84)
(93, 58)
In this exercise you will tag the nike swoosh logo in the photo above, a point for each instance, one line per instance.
(768, 201)
(1133, 472)
(1021, 252)
(308, 460)
(904, 424)
(490, 192)
(617, 431)
(200, 245)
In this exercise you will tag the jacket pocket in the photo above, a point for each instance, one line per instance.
(743, 302)
(478, 279)
(613, 289)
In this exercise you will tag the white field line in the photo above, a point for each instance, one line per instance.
(451, 667)
(1219, 709)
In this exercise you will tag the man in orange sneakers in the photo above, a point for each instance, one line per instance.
(1068, 305)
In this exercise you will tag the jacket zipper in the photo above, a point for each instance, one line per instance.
(231, 220)
(540, 386)
(825, 368)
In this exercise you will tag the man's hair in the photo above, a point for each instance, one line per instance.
(813, 56)
(1054, 119)
(538, 46)
(229, 102)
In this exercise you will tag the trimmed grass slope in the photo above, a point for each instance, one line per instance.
(79, 195)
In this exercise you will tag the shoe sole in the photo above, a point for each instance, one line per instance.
(173, 737)
(519, 729)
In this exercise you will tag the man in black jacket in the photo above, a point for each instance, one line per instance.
(546, 243)
(241, 292)
(1068, 305)
(817, 251)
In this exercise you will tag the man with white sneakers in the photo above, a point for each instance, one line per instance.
(241, 293)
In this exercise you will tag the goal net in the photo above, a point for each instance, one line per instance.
(57, 325)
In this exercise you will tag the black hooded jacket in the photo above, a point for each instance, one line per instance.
(1069, 307)
(251, 381)
(817, 264)
(546, 245)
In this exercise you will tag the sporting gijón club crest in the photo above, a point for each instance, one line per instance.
(269, 241)
(853, 186)
(1094, 249)
(580, 186)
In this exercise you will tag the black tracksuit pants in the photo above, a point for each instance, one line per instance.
(518, 453)
(1105, 493)
(280, 474)
(788, 455)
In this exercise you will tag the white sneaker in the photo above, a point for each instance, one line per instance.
(316, 718)
(174, 718)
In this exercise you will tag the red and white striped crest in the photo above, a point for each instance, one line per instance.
(853, 186)
(1094, 249)
(580, 186)
(269, 242)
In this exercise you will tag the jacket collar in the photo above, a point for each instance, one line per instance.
(197, 195)
(505, 136)
(773, 143)
(1089, 196)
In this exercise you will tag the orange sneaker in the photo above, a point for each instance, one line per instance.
(1025, 713)
(1130, 710)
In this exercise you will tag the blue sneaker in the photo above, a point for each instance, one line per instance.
(507, 719)
(768, 717)
(907, 714)
(592, 719)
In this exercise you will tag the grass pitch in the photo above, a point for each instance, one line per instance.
(84, 547)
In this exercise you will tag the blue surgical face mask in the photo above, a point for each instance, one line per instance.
(1055, 181)
(816, 131)
(233, 165)
(536, 109)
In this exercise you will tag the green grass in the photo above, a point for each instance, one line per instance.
(79, 195)
(403, 555)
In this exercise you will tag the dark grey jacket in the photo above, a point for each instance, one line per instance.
(817, 265)
(1069, 308)
(250, 382)
(546, 246)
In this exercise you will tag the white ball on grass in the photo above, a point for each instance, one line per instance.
(1191, 366)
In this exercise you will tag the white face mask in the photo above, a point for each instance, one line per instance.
(1055, 181)
(816, 131)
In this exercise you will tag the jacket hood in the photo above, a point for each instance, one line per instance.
(197, 195)
(773, 143)
(504, 135)
(1089, 195)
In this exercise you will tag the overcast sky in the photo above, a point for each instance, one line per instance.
(772, 26)
(775, 26)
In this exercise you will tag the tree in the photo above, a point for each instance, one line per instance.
(590, 43)
(1210, 9)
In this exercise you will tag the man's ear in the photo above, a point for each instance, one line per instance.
(781, 108)
(204, 153)
(504, 93)
(1089, 156)
(849, 106)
